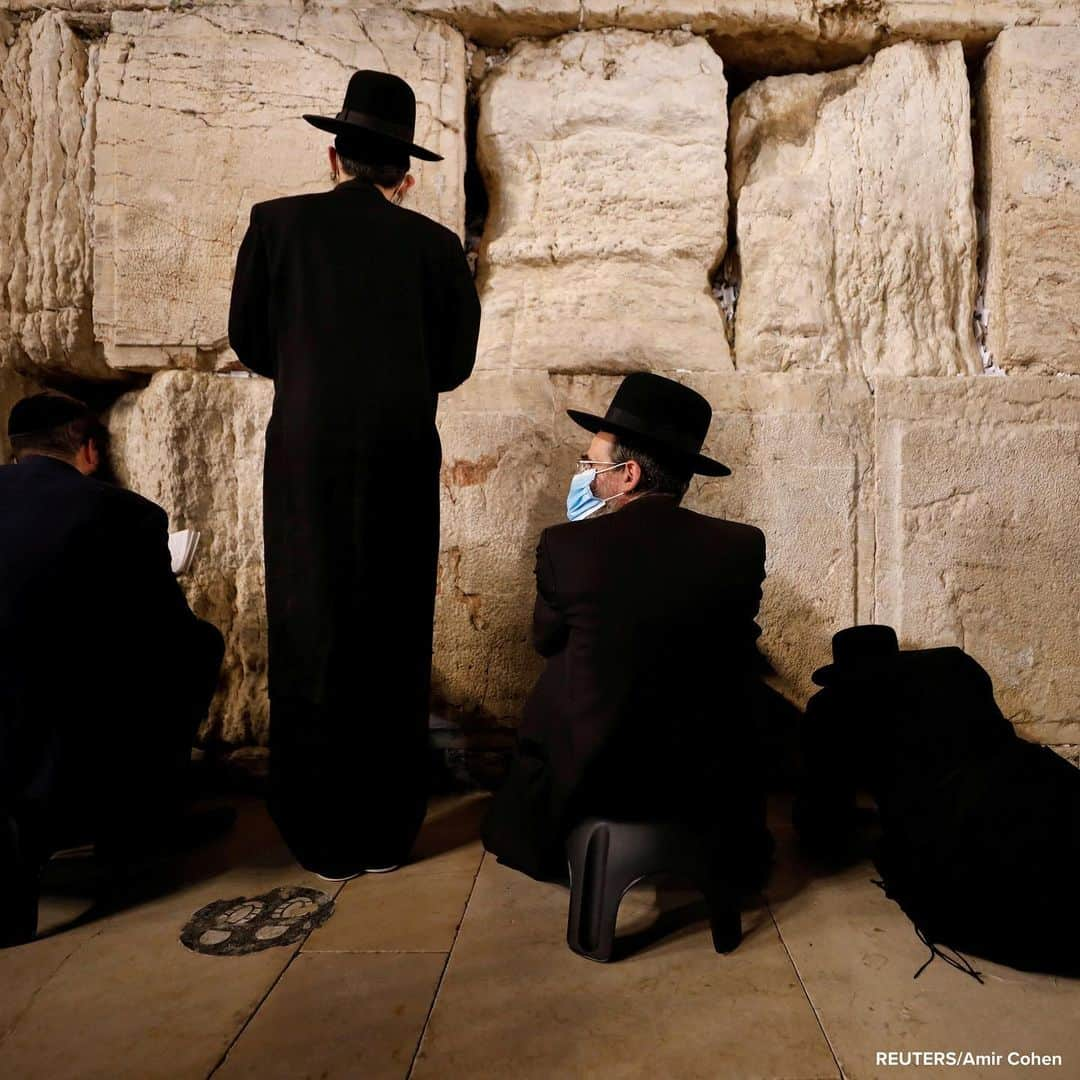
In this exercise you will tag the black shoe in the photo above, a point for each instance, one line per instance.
(19, 896)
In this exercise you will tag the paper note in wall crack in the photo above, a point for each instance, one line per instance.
(182, 547)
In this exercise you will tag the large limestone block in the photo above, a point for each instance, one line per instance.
(193, 443)
(977, 532)
(502, 482)
(48, 92)
(200, 116)
(1029, 111)
(800, 448)
(856, 222)
(604, 159)
(769, 36)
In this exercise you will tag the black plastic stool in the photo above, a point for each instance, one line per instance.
(607, 858)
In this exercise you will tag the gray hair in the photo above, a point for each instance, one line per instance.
(657, 475)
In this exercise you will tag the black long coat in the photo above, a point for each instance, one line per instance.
(362, 312)
(980, 830)
(646, 617)
(104, 670)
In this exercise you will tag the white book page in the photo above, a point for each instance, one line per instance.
(182, 547)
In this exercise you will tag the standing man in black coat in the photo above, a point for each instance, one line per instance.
(105, 673)
(362, 312)
(645, 612)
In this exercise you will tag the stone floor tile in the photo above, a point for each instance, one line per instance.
(516, 1002)
(856, 953)
(340, 1015)
(129, 999)
(419, 907)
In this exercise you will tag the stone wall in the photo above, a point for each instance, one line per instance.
(854, 225)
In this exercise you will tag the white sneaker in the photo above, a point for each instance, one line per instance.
(347, 877)
(381, 869)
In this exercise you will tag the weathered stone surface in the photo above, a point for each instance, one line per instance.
(856, 223)
(193, 442)
(200, 116)
(48, 92)
(496, 22)
(800, 448)
(603, 155)
(501, 477)
(1030, 144)
(976, 539)
(770, 36)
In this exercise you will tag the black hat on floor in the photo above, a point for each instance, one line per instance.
(380, 110)
(660, 415)
(43, 412)
(860, 652)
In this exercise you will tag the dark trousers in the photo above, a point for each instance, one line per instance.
(115, 760)
(348, 793)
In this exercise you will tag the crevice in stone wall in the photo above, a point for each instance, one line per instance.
(725, 276)
(980, 316)
(476, 194)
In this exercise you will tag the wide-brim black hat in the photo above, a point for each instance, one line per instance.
(381, 105)
(860, 652)
(662, 417)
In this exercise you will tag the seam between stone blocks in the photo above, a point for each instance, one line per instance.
(445, 968)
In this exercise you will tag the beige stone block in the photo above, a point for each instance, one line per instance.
(1029, 103)
(200, 116)
(769, 36)
(130, 1000)
(340, 1015)
(499, 490)
(800, 448)
(497, 22)
(193, 443)
(604, 158)
(976, 535)
(515, 1001)
(48, 96)
(856, 223)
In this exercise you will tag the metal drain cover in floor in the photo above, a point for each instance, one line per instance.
(243, 925)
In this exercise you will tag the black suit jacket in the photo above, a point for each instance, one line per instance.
(646, 616)
(362, 312)
(99, 651)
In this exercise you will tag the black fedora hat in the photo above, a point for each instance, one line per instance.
(860, 652)
(661, 416)
(381, 108)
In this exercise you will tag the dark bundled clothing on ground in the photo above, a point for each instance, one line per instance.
(644, 712)
(980, 839)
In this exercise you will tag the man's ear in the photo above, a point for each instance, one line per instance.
(88, 457)
(632, 475)
(408, 183)
(332, 157)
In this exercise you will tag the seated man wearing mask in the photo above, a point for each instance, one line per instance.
(105, 673)
(645, 613)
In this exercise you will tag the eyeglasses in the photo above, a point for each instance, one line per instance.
(584, 465)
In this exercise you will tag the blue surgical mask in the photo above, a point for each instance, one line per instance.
(580, 501)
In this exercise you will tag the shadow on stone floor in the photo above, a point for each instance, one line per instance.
(77, 889)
